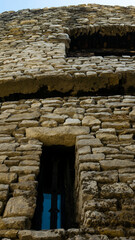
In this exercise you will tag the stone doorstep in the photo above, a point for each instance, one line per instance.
(60, 234)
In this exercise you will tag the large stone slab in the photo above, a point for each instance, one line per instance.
(24, 169)
(19, 206)
(116, 190)
(116, 164)
(14, 223)
(6, 178)
(100, 177)
(8, 234)
(23, 116)
(90, 121)
(40, 235)
(63, 135)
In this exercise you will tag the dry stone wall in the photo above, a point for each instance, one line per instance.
(33, 57)
(33, 49)
(102, 129)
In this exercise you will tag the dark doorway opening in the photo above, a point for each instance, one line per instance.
(101, 45)
(55, 201)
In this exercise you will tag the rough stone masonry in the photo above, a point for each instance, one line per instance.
(33, 65)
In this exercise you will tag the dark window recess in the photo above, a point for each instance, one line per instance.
(55, 201)
(99, 45)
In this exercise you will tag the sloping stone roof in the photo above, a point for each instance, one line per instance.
(33, 50)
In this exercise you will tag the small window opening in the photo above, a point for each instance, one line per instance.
(96, 44)
(55, 201)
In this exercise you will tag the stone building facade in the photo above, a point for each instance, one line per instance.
(49, 98)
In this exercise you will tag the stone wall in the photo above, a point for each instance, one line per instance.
(102, 129)
(33, 61)
(33, 49)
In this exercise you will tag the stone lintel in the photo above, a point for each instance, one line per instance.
(63, 135)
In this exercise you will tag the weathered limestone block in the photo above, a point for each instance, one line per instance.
(54, 101)
(106, 137)
(116, 125)
(29, 147)
(116, 190)
(84, 150)
(122, 217)
(125, 177)
(116, 164)
(112, 232)
(105, 150)
(87, 166)
(128, 204)
(86, 136)
(89, 189)
(3, 158)
(72, 122)
(4, 187)
(94, 219)
(3, 168)
(23, 116)
(9, 233)
(3, 195)
(90, 121)
(132, 115)
(126, 137)
(87, 101)
(29, 163)
(24, 193)
(11, 163)
(29, 185)
(69, 111)
(130, 148)
(15, 223)
(89, 142)
(25, 178)
(20, 206)
(8, 128)
(91, 157)
(29, 123)
(101, 205)
(127, 170)
(35, 235)
(101, 177)
(50, 123)
(4, 139)
(63, 135)
(95, 128)
(6, 178)
(25, 170)
(55, 117)
(8, 146)
(120, 156)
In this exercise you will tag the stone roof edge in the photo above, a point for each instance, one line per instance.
(67, 7)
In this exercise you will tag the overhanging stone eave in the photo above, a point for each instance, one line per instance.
(66, 83)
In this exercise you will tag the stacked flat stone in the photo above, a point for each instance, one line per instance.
(33, 49)
(33, 55)
(102, 129)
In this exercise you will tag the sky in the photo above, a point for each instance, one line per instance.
(9, 5)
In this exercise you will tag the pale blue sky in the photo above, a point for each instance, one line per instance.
(7, 5)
